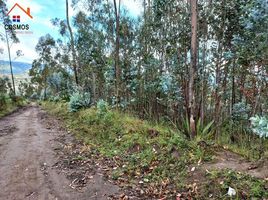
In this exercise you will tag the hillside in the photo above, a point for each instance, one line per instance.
(19, 68)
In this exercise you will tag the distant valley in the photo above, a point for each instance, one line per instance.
(19, 68)
(20, 71)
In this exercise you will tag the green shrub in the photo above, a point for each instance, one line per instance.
(55, 98)
(241, 111)
(34, 96)
(259, 126)
(78, 101)
(104, 114)
(3, 101)
(102, 107)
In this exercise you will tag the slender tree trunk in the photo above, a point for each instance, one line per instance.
(94, 88)
(203, 87)
(193, 68)
(72, 43)
(224, 89)
(233, 88)
(45, 90)
(217, 95)
(204, 54)
(258, 95)
(117, 48)
(10, 64)
(242, 86)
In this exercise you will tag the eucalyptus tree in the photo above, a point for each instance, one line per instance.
(97, 40)
(180, 60)
(117, 7)
(8, 36)
(252, 52)
(75, 59)
(44, 64)
(193, 68)
(91, 46)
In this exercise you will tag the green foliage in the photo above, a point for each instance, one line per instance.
(153, 68)
(8, 101)
(5, 85)
(102, 107)
(34, 96)
(104, 113)
(3, 101)
(185, 127)
(241, 111)
(60, 85)
(79, 100)
(246, 187)
(260, 126)
(26, 89)
(9, 104)
(55, 98)
(204, 132)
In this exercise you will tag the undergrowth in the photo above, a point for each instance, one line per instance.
(146, 152)
(9, 105)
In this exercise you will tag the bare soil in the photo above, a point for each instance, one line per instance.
(30, 149)
(229, 160)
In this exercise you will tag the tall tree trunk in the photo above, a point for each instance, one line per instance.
(233, 88)
(72, 43)
(204, 55)
(218, 90)
(217, 93)
(117, 46)
(202, 102)
(193, 68)
(10, 64)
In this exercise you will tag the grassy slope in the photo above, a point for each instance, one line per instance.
(153, 155)
(10, 107)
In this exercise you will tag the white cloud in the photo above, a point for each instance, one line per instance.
(28, 51)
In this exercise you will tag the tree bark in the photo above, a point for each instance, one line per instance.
(203, 82)
(117, 48)
(193, 68)
(72, 43)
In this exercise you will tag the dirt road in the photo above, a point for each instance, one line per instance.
(27, 157)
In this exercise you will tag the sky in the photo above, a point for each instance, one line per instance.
(43, 11)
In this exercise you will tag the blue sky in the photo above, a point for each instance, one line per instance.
(43, 11)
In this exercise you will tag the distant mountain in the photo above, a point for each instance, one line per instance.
(18, 67)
